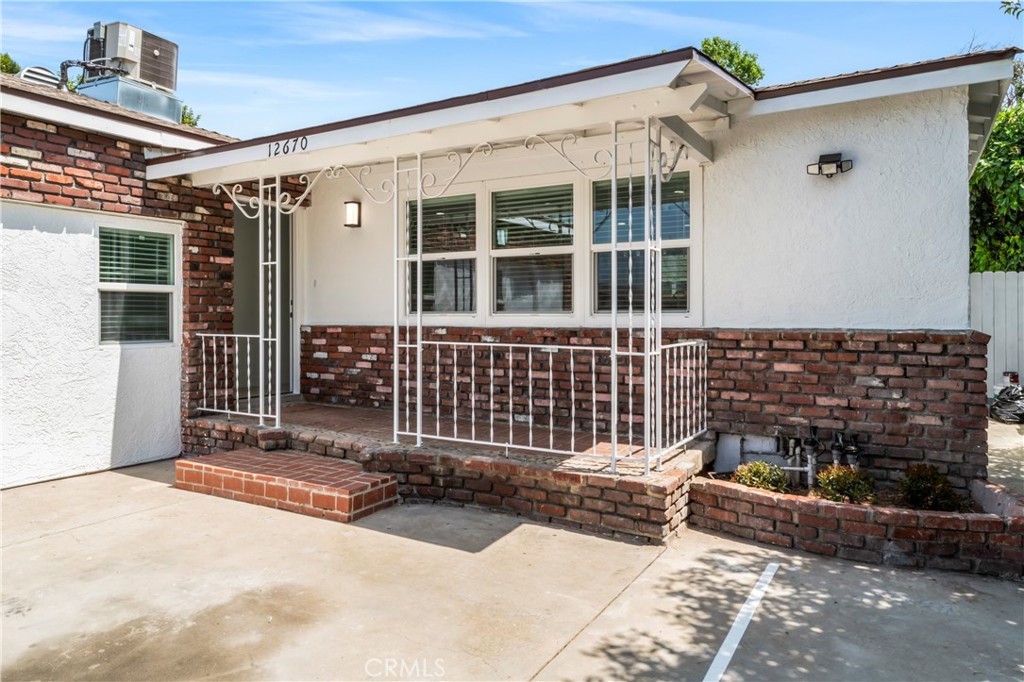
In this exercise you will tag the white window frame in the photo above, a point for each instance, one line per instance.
(174, 289)
(672, 317)
(409, 205)
(495, 253)
(583, 260)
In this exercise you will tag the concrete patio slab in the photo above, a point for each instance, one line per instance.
(120, 576)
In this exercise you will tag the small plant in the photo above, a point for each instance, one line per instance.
(925, 487)
(841, 483)
(761, 475)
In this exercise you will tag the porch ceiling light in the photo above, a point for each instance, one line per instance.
(353, 214)
(829, 165)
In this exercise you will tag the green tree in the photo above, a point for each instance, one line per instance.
(1012, 7)
(189, 116)
(734, 59)
(997, 196)
(8, 65)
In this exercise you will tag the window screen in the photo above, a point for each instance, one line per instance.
(135, 316)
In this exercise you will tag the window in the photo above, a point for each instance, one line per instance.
(136, 286)
(449, 227)
(532, 229)
(675, 231)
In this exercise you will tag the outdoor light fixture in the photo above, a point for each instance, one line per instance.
(353, 214)
(829, 164)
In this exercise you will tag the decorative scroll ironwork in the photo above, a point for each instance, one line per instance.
(429, 180)
(669, 161)
(570, 138)
(239, 200)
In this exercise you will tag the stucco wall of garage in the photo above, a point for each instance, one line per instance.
(882, 247)
(72, 405)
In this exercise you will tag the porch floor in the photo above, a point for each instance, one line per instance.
(592, 454)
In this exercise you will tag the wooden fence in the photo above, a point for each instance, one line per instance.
(997, 308)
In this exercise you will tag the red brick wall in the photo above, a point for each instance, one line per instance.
(975, 543)
(910, 395)
(60, 166)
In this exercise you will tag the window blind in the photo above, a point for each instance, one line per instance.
(449, 224)
(675, 209)
(538, 216)
(449, 286)
(135, 316)
(131, 257)
(674, 280)
(533, 283)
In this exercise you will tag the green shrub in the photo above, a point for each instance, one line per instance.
(841, 483)
(925, 487)
(761, 475)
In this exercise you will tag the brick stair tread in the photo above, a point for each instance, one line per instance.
(293, 465)
(294, 481)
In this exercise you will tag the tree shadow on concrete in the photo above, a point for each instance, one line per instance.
(821, 619)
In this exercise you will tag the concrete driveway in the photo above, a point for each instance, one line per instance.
(1006, 455)
(119, 576)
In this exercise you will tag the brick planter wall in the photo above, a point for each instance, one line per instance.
(976, 543)
(65, 167)
(911, 396)
(651, 508)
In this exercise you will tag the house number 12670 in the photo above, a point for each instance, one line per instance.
(295, 144)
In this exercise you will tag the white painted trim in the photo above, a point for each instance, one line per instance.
(583, 101)
(99, 123)
(946, 78)
(141, 224)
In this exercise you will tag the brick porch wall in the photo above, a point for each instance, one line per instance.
(65, 167)
(911, 396)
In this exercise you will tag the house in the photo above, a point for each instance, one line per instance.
(91, 351)
(782, 258)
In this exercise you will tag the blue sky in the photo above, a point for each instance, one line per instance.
(254, 68)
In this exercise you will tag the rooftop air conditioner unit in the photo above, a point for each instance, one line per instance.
(142, 56)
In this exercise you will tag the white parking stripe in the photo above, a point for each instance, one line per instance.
(739, 626)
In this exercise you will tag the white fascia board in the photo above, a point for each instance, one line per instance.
(573, 93)
(663, 101)
(98, 123)
(947, 78)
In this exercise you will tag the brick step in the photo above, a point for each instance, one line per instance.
(285, 479)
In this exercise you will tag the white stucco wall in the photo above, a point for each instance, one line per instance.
(884, 246)
(71, 405)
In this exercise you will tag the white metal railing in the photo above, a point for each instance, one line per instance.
(232, 365)
(684, 368)
(550, 398)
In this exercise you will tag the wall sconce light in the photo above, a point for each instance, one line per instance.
(353, 214)
(829, 165)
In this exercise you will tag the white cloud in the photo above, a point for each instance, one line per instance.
(690, 28)
(331, 24)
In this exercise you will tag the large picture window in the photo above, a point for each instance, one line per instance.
(136, 286)
(630, 270)
(532, 230)
(449, 231)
